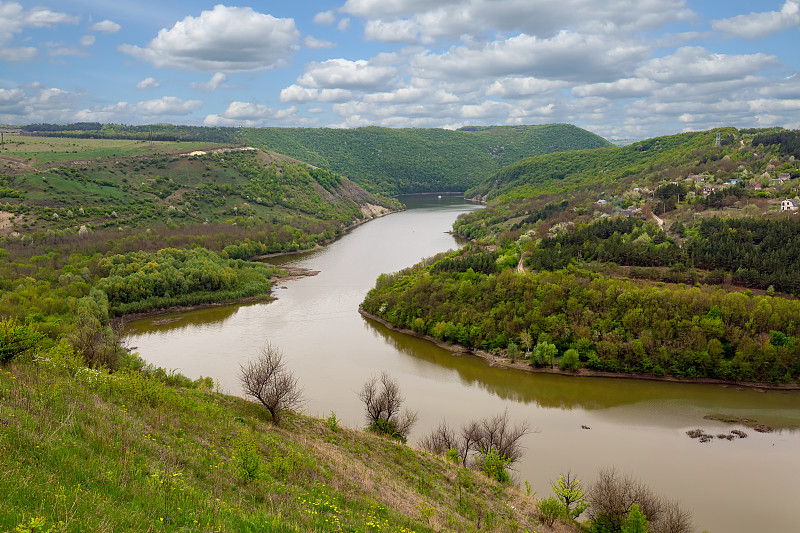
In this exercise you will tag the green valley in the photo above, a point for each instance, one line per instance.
(673, 256)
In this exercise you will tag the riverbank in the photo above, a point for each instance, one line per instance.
(290, 274)
(326, 242)
(524, 366)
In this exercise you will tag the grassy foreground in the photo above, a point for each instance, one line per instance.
(84, 450)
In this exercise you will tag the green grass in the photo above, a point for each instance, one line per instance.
(46, 150)
(82, 450)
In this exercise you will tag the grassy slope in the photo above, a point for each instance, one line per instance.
(88, 451)
(583, 177)
(146, 183)
(395, 161)
(595, 169)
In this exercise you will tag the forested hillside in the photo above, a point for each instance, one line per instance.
(93, 229)
(62, 183)
(639, 259)
(383, 160)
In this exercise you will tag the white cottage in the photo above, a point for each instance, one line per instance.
(789, 205)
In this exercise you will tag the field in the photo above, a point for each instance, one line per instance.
(40, 151)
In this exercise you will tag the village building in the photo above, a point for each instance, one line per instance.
(789, 205)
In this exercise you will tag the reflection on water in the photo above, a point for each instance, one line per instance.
(175, 323)
(778, 409)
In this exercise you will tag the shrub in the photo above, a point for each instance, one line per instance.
(382, 404)
(494, 466)
(570, 360)
(549, 510)
(16, 338)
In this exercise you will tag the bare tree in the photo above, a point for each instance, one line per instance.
(613, 495)
(496, 433)
(673, 519)
(478, 438)
(440, 440)
(267, 379)
(383, 402)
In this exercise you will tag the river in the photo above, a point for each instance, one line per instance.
(637, 427)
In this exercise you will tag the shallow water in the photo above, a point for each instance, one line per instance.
(639, 427)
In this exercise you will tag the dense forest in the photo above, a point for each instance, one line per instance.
(570, 265)
(612, 324)
(382, 160)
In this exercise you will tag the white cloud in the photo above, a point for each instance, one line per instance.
(695, 64)
(106, 26)
(167, 106)
(520, 87)
(424, 21)
(25, 53)
(317, 44)
(325, 18)
(395, 31)
(11, 101)
(487, 109)
(225, 39)
(624, 88)
(87, 40)
(298, 94)
(148, 83)
(14, 19)
(35, 103)
(757, 25)
(343, 25)
(217, 81)
(345, 74)
(566, 56)
(431, 96)
(59, 50)
(250, 114)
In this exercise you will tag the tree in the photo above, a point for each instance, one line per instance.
(543, 354)
(383, 403)
(16, 338)
(612, 498)
(493, 443)
(570, 360)
(570, 493)
(268, 380)
(636, 521)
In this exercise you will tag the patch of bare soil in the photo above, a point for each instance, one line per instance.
(371, 210)
(6, 226)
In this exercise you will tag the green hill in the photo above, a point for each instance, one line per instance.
(394, 161)
(384, 160)
(62, 183)
(666, 257)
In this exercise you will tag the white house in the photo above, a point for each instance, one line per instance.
(789, 205)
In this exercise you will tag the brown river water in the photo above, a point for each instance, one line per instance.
(638, 427)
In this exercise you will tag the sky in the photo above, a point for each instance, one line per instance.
(624, 69)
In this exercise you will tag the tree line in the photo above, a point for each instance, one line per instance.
(611, 324)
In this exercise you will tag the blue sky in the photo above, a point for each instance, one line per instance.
(620, 68)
